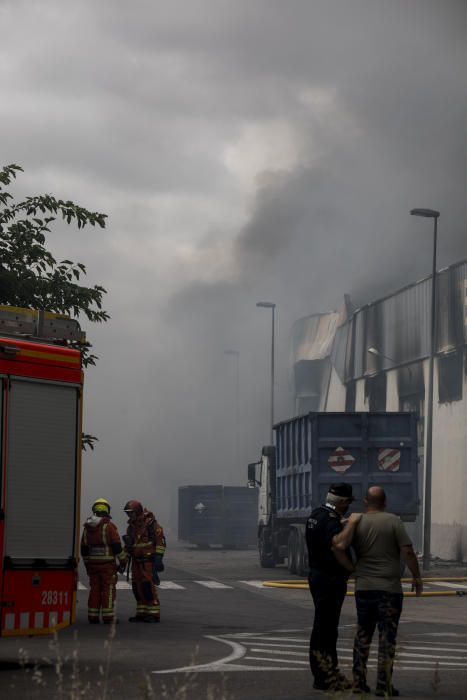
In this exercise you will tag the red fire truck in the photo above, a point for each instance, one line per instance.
(40, 431)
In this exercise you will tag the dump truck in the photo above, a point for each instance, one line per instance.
(315, 450)
(217, 515)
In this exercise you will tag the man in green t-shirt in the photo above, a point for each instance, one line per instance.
(379, 541)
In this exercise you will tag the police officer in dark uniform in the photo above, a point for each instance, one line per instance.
(329, 570)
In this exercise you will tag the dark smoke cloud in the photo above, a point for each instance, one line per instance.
(245, 152)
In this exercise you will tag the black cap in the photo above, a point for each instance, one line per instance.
(342, 490)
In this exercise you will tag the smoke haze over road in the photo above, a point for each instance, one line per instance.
(242, 151)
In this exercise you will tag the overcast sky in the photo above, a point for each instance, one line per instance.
(243, 150)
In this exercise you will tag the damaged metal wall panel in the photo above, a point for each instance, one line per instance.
(451, 331)
(360, 348)
(350, 396)
(311, 379)
(401, 326)
(450, 376)
(375, 338)
(313, 336)
(339, 349)
(398, 327)
(410, 323)
(411, 381)
(376, 392)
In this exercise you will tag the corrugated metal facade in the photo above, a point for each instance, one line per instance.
(398, 326)
(313, 336)
(395, 379)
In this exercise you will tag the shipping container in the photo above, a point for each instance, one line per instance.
(217, 515)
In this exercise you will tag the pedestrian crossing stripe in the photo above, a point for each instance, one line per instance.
(218, 585)
(280, 651)
(170, 585)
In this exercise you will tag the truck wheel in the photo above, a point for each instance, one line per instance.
(266, 558)
(292, 552)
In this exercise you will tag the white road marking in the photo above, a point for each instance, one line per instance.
(281, 646)
(123, 585)
(287, 661)
(299, 631)
(429, 642)
(237, 652)
(438, 634)
(448, 584)
(430, 648)
(401, 649)
(126, 586)
(267, 639)
(430, 663)
(262, 652)
(405, 667)
(171, 585)
(268, 650)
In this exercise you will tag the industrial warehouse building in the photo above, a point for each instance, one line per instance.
(376, 359)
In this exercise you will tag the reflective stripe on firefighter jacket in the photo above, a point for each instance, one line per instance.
(145, 544)
(146, 537)
(100, 541)
(100, 546)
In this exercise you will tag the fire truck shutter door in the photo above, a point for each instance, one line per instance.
(41, 470)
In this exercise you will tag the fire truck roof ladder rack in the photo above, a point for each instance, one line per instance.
(31, 323)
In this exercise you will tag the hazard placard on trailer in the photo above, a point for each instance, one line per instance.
(389, 460)
(340, 460)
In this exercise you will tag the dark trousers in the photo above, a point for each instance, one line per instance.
(328, 594)
(382, 609)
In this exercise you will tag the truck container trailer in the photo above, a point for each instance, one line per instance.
(315, 450)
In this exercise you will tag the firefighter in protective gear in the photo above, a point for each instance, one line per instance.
(145, 544)
(101, 549)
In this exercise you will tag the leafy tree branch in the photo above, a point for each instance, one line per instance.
(30, 276)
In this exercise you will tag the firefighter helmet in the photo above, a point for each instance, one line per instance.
(133, 507)
(101, 506)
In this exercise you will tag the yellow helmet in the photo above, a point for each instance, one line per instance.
(101, 506)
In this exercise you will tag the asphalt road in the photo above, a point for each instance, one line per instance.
(225, 637)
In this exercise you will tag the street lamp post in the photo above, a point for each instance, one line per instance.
(270, 305)
(429, 214)
(236, 355)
